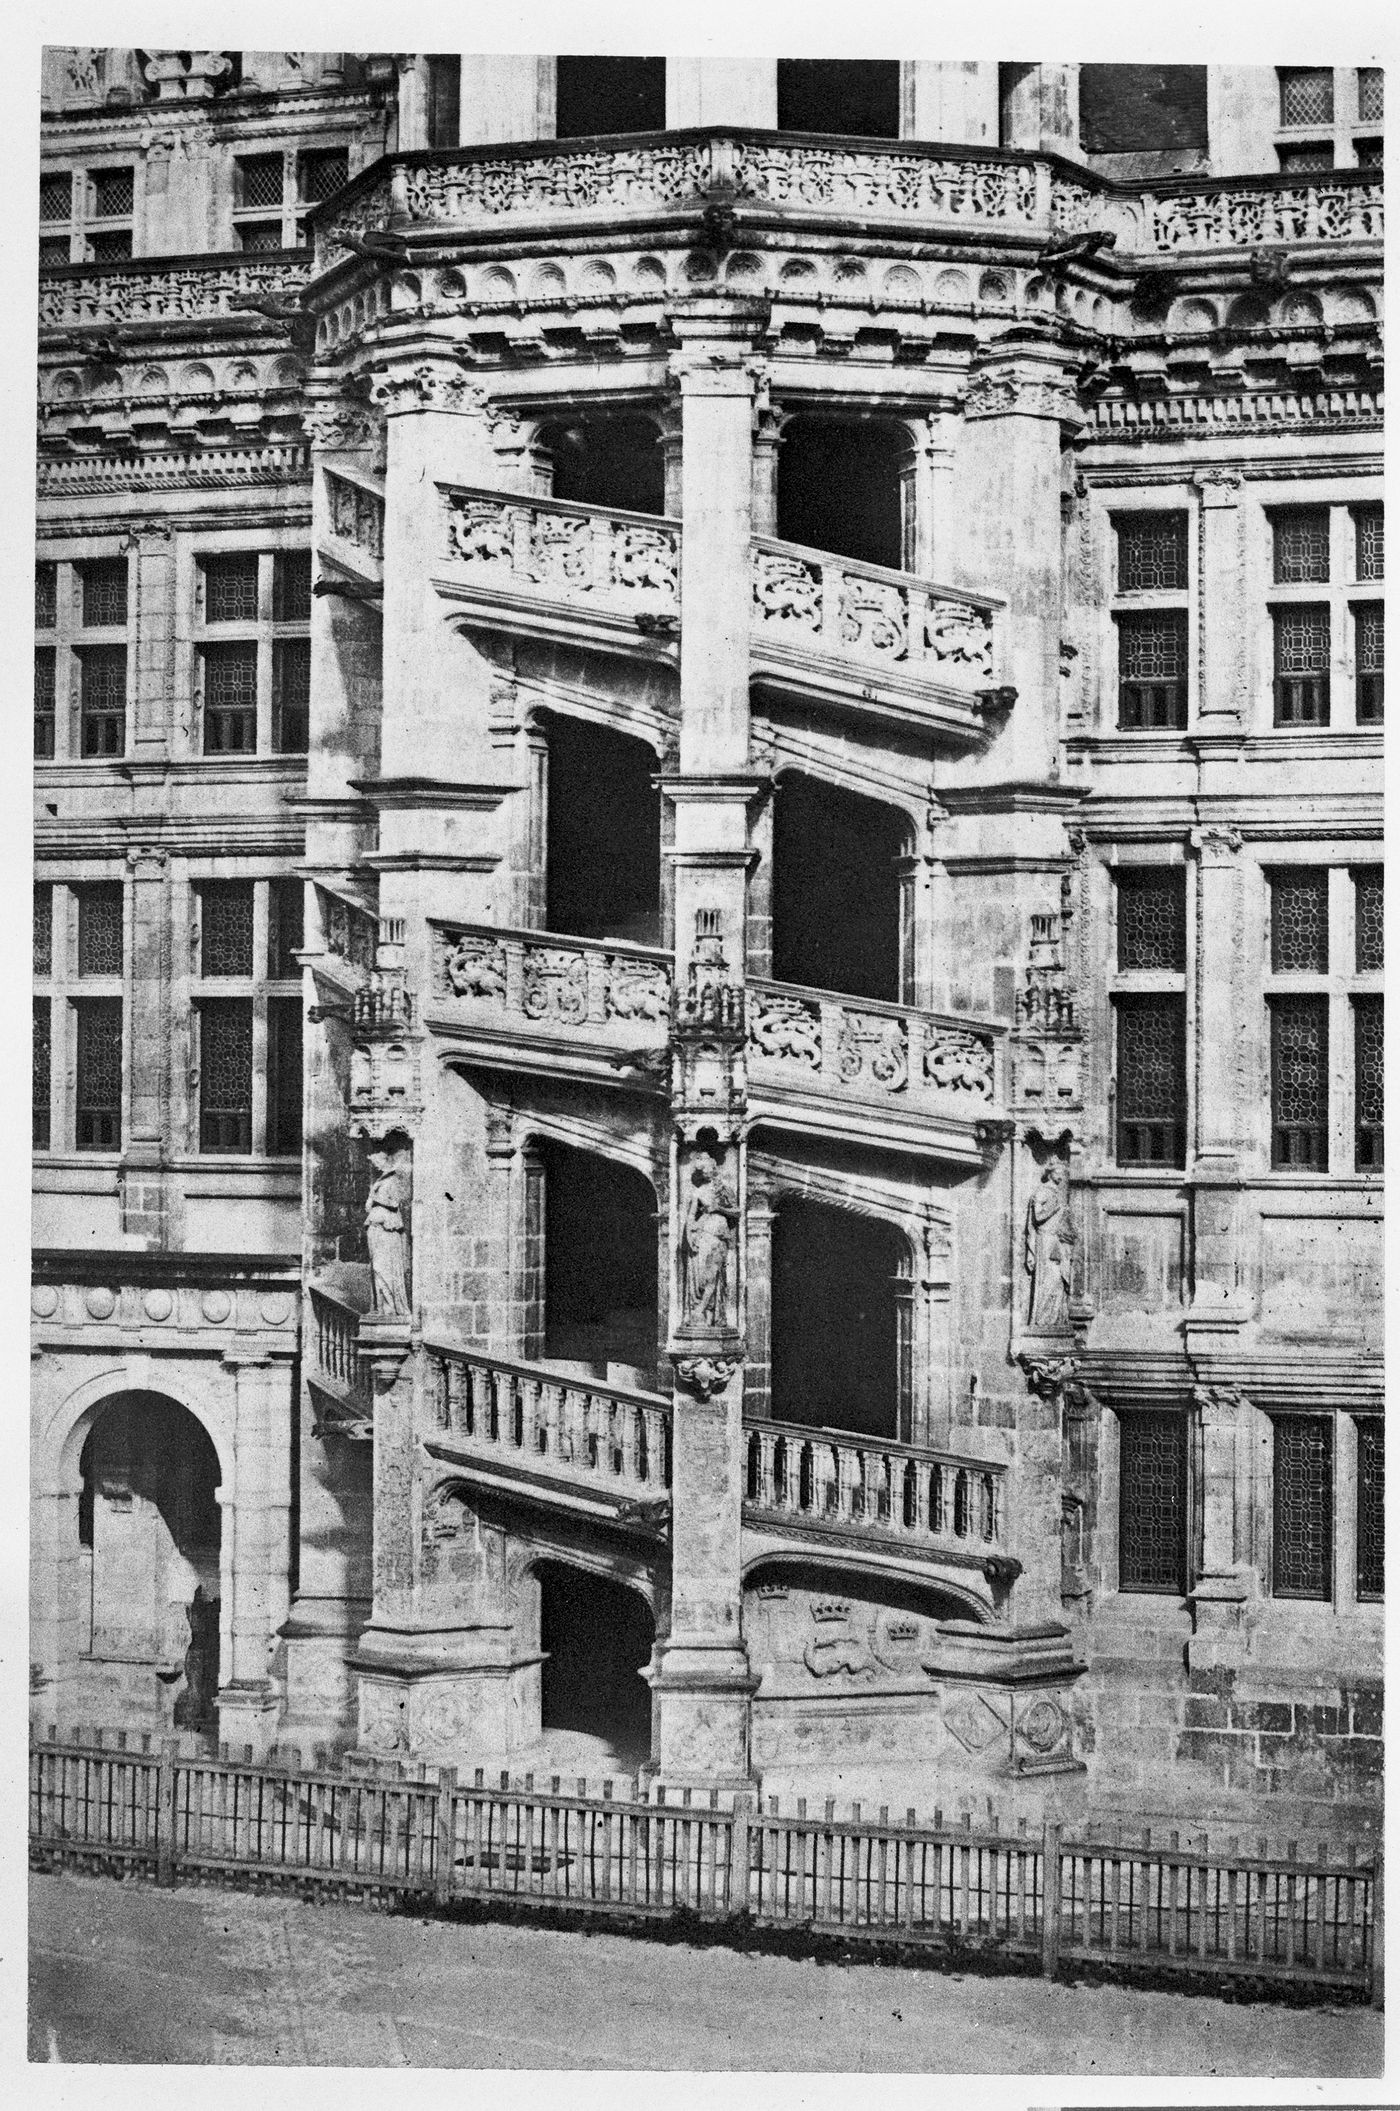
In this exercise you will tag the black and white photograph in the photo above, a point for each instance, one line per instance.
(706, 1384)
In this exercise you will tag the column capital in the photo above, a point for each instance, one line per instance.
(1030, 381)
(430, 382)
(1216, 844)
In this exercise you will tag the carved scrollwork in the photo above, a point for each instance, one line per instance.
(555, 984)
(874, 1046)
(474, 967)
(787, 590)
(874, 616)
(786, 1027)
(636, 990)
(960, 636)
(955, 1061)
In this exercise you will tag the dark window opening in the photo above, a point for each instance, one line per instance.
(1152, 1502)
(1370, 1507)
(603, 849)
(43, 931)
(98, 1121)
(612, 462)
(104, 592)
(1141, 109)
(259, 181)
(322, 173)
(1151, 1079)
(291, 586)
(596, 1637)
(836, 907)
(1369, 522)
(1307, 160)
(840, 488)
(46, 596)
(835, 1320)
(1369, 881)
(230, 699)
(103, 679)
(1302, 545)
(45, 698)
(1152, 919)
(1152, 670)
(600, 1287)
(226, 1075)
(1298, 1080)
(1368, 1020)
(283, 1076)
(600, 95)
(1305, 95)
(1370, 663)
(1370, 153)
(259, 237)
(231, 587)
(100, 947)
(1302, 666)
(444, 98)
(226, 927)
(113, 193)
(1152, 553)
(56, 196)
(857, 97)
(286, 910)
(1298, 921)
(110, 247)
(42, 1073)
(1370, 94)
(1302, 1507)
(291, 696)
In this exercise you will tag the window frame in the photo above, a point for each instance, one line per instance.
(260, 990)
(1345, 132)
(1336, 683)
(69, 639)
(262, 632)
(1121, 511)
(1336, 987)
(83, 226)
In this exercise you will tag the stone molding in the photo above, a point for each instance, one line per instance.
(206, 470)
(163, 290)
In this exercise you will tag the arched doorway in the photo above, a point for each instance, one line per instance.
(149, 1546)
(596, 1636)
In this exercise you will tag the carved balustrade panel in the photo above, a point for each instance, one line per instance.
(927, 1500)
(357, 514)
(550, 1424)
(553, 981)
(808, 1038)
(156, 291)
(1244, 217)
(809, 601)
(627, 562)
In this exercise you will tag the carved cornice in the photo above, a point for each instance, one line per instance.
(431, 384)
(165, 290)
(209, 469)
(1196, 413)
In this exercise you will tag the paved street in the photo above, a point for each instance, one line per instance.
(126, 1973)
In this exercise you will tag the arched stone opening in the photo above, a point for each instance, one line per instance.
(596, 1638)
(149, 1534)
(838, 905)
(594, 1230)
(840, 1320)
(602, 834)
(615, 462)
(842, 486)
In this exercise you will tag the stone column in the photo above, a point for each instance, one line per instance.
(1040, 110)
(1214, 1054)
(145, 1202)
(1220, 1585)
(1222, 614)
(501, 96)
(758, 1297)
(768, 427)
(415, 100)
(256, 1527)
(721, 92)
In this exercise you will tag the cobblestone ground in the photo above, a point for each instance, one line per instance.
(122, 1972)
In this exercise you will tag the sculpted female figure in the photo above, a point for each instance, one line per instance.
(386, 1231)
(709, 1216)
(1047, 1255)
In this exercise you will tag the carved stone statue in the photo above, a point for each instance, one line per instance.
(1047, 1252)
(386, 1228)
(708, 1226)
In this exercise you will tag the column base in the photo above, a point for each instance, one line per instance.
(1222, 1623)
(438, 1708)
(704, 1703)
(250, 1713)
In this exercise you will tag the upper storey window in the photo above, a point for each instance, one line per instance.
(857, 97)
(1152, 620)
(272, 194)
(86, 216)
(1306, 95)
(1329, 117)
(601, 95)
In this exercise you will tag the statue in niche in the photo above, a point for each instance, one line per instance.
(708, 1229)
(1049, 1241)
(386, 1226)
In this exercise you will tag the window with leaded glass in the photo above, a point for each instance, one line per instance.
(1298, 921)
(226, 927)
(1298, 1082)
(1302, 665)
(231, 587)
(1302, 1506)
(1369, 522)
(1152, 1502)
(1368, 1026)
(226, 1074)
(56, 197)
(98, 1113)
(45, 596)
(291, 586)
(104, 592)
(259, 181)
(100, 944)
(1151, 1079)
(43, 930)
(1370, 94)
(1152, 919)
(113, 193)
(103, 692)
(283, 1076)
(1307, 160)
(44, 699)
(1370, 1507)
(1151, 553)
(1370, 153)
(1152, 665)
(1369, 882)
(42, 1074)
(291, 695)
(285, 919)
(1305, 95)
(1302, 550)
(1370, 662)
(259, 237)
(321, 173)
(109, 245)
(230, 699)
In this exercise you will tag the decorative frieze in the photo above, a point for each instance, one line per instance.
(806, 599)
(356, 515)
(1242, 216)
(563, 551)
(159, 292)
(1175, 417)
(209, 469)
(804, 1037)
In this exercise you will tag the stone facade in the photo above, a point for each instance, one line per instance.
(731, 1059)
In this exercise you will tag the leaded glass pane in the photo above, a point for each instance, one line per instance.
(100, 930)
(42, 1072)
(1152, 669)
(1370, 153)
(1151, 552)
(104, 592)
(98, 1123)
(111, 246)
(291, 586)
(45, 596)
(1370, 663)
(1309, 160)
(283, 1076)
(1305, 95)
(226, 1075)
(323, 173)
(1298, 921)
(1301, 545)
(1370, 919)
(113, 193)
(1302, 1507)
(226, 927)
(56, 197)
(1302, 665)
(291, 695)
(1298, 1042)
(104, 699)
(231, 588)
(53, 249)
(261, 237)
(43, 930)
(1152, 919)
(1370, 1507)
(1370, 94)
(1368, 1019)
(285, 916)
(230, 699)
(1151, 1502)
(260, 180)
(1151, 1080)
(43, 703)
(1370, 542)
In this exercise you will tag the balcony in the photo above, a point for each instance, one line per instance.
(900, 1500)
(524, 1427)
(353, 537)
(538, 1002)
(148, 293)
(340, 1387)
(882, 1074)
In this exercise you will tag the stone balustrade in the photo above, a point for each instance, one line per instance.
(335, 1372)
(920, 1500)
(802, 1037)
(808, 600)
(909, 185)
(548, 551)
(356, 514)
(549, 980)
(165, 289)
(525, 1416)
